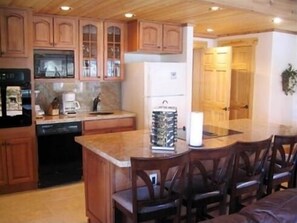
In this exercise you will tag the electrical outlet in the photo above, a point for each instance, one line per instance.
(153, 177)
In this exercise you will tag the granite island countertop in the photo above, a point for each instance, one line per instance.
(82, 116)
(119, 147)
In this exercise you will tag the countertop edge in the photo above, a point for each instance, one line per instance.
(83, 116)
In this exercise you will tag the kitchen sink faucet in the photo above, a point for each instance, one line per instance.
(96, 101)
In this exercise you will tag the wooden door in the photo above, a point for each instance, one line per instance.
(43, 35)
(172, 38)
(215, 84)
(241, 82)
(150, 38)
(20, 160)
(65, 32)
(197, 61)
(14, 33)
(3, 167)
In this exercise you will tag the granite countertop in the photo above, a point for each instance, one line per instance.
(82, 116)
(119, 147)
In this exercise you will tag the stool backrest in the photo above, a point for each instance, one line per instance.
(171, 170)
(249, 171)
(212, 167)
(283, 160)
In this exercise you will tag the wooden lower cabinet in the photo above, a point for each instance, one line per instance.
(17, 169)
(109, 125)
(102, 179)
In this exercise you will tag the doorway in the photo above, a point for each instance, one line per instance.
(219, 93)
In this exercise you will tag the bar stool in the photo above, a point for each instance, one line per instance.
(148, 201)
(209, 175)
(282, 167)
(248, 173)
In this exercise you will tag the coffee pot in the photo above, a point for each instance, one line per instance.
(70, 105)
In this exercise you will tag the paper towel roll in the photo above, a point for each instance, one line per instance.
(196, 128)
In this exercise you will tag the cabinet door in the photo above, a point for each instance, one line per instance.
(43, 31)
(65, 32)
(91, 53)
(114, 50)
(172, 38)
(98, 186)
(3, 168)
(150, 36)
(14, 33)
(20, 160)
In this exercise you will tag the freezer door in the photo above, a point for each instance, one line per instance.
(177, 101)
(164, 79)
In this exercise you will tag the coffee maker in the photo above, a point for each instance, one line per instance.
(69, 104)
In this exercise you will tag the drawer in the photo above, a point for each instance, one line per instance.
(108, 124)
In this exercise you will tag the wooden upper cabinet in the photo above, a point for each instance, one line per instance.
(154, 37)
(65, 32)
(91, 49)
(14, 32)
(172, 38)
(150, 36)
(114, 35)
(43, 31)
(49, 31)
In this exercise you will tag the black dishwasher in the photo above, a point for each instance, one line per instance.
(59, 156)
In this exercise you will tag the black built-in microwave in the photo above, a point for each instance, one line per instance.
(54, 64)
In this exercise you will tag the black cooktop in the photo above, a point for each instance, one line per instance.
(209, 132)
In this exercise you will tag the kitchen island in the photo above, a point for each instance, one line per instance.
(106, 158)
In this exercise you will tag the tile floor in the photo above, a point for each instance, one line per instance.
(62, 204)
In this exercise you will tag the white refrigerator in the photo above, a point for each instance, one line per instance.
(149, 84)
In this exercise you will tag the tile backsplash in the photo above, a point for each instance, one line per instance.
(85, 93)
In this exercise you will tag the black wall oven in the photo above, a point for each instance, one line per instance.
(15, 95)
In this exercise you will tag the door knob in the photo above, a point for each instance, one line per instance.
(225, 109)
(246, 106)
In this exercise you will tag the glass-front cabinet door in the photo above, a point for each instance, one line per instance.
(91, 53)
(114, 51)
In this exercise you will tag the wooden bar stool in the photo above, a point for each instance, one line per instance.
(248, 173)
(282, 167)
(147, 201)
(209, 175)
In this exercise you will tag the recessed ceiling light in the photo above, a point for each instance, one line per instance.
(276, 20)
(65, 8)
(129, 15)
(209, 30)
(214, 8)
